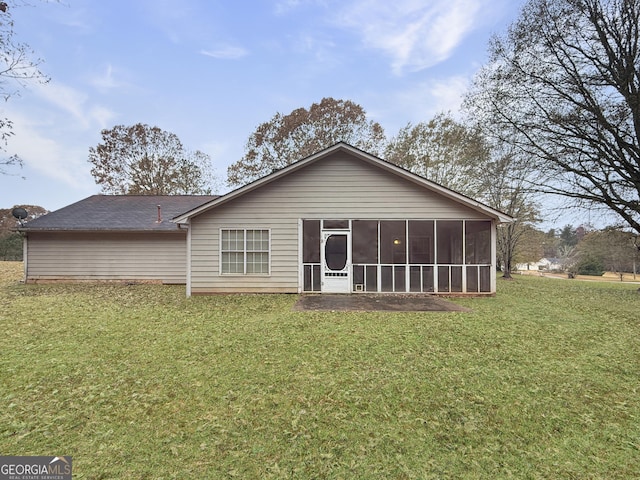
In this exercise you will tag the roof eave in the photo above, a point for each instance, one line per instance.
(186, 217)
(501, 217)
(177, 229)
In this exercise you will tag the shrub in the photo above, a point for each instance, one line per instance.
(590, 266)
(11, 247)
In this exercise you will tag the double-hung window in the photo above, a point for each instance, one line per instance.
(244, 252)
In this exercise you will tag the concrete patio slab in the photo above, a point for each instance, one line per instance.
(376, 303)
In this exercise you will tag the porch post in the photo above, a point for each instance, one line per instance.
(494, 254)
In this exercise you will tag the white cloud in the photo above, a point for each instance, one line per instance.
(107, 80)
(178, 21)
(101, 116)
(65, 98)
(321, 51)
(49, 156)
(414, 34)
(420, 103)
(78, 18)
(285, 6)
(226, 52)
(75, 103)
(53, 127)
(447, 94)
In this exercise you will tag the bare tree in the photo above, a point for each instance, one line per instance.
(503, 186)
(443, 150)
(531, 247)
(17, 69)
(145, 160)
(563, 88)
(287, 138)
(464, 156)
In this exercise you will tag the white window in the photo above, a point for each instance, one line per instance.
(244, 252)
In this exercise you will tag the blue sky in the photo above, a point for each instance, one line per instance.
(212, 71)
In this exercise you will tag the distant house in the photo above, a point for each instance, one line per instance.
(339, 221)
(110, 237)
(547, 264)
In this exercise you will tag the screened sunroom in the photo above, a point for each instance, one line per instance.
(399, 256)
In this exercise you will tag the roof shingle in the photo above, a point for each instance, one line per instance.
(118, 213)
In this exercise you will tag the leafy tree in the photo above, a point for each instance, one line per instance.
(612, 249)
(144, 160)
(17, 69)
(287, 138)
(443, 150)
(568, 236)
(563, 87)
(11, 247)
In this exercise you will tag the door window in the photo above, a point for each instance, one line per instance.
(335, 252)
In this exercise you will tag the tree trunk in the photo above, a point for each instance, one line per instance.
(506, 269)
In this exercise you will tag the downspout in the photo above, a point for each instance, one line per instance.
(188, 273)
(25, 256)
(300, 257)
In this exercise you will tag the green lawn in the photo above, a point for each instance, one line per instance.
(542, 381)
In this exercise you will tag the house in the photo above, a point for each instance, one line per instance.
(339, 221)
(109, 238)
(546, 264)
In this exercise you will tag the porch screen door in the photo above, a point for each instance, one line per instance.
(336, 261)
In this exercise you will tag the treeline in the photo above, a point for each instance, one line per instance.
(583, 250)
(10, 239)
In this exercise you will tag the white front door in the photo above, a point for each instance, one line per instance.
(336, 261)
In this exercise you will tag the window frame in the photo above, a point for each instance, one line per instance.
(244, 252)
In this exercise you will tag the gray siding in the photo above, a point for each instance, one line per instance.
(337, 187)
(106, 256)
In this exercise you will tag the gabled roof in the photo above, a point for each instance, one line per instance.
(366, 157)
(131, 213)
